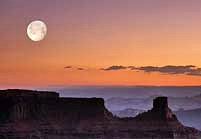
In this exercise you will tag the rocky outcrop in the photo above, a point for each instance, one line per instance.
(160, 116)
(44, 115)
(23, 104)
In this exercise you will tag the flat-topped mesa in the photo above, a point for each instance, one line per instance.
(18, 105)
(160, 111)
(160, 116)
(9, 93)
(160, 106)
(160, 103)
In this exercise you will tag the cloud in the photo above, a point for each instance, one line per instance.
(170, 69)
(80, 69)
(67, 67)
(76, 68)
(195, 72)
(131, 67)
(190, 70)
(114, 68)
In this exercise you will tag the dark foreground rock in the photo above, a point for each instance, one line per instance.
(26, 114)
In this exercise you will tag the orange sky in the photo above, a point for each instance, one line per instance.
(96, 35)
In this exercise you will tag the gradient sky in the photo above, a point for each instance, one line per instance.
(94, 34)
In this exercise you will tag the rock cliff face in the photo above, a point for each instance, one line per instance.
(161, 115)
(44, 115)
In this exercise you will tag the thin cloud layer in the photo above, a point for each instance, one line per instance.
(67, 67)
(76, 68)
(80, 69)
(114, 68)
(169, 69)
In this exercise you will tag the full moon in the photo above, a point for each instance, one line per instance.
(37, 30)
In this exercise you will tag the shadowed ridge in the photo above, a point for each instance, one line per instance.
(24, 113)
(160, 115)
(25, 93)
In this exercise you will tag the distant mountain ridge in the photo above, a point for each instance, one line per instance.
(190, 118)
(176, 103)
(127, 112)
(107, 92)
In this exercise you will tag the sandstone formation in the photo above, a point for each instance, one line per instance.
(26, 114)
